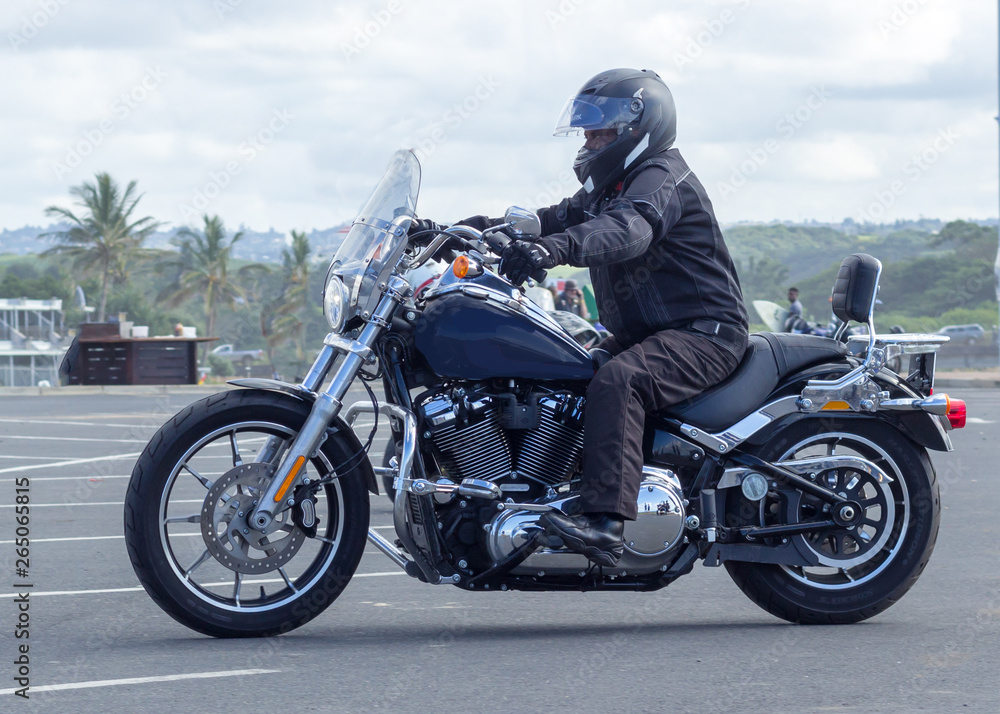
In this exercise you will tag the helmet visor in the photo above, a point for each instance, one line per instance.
(587, 112)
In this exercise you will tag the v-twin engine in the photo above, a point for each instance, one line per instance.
(651, 540)
(525, 445)
(530, 445)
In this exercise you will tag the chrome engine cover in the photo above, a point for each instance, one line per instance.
(650, 541)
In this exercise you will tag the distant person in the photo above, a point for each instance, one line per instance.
(552, 288)
(795, 322)
(794, 307)
(571, 300)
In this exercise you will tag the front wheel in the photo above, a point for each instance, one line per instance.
(865, 568)
(186, 510)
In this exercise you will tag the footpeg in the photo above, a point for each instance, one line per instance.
(469, 488)
(478, 488)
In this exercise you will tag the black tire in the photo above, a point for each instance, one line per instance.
(799, 596)
(156, 559)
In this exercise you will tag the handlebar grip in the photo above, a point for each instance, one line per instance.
(539, 276)
(497, 241)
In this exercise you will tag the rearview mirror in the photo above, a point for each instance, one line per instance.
(521, 220)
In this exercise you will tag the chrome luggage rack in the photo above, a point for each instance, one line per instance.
(897, 344)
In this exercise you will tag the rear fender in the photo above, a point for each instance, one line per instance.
(925, 429)
(339, 426)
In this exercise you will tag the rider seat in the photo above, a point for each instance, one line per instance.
(769, 358)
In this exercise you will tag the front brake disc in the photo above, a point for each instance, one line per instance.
(230, 538)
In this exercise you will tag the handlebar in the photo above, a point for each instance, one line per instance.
(493, 237)
(539, 276)
(496, 240)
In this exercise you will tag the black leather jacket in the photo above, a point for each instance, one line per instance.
(654, 248)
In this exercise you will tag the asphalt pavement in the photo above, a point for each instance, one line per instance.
(98, 643)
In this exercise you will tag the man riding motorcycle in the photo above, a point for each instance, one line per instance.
(664, 281)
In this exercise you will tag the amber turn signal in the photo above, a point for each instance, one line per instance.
(461, 266)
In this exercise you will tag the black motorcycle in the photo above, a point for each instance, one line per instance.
(805, 473)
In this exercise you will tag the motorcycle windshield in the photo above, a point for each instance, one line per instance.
(377, 238)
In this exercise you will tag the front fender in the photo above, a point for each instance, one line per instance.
(339, 426)
(923, 428)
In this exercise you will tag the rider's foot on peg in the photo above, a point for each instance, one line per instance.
(597, 535)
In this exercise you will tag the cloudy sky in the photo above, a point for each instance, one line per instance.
(284, 114)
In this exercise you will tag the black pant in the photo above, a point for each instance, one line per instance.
(664, 369)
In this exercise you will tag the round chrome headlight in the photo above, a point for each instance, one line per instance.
(335, 303)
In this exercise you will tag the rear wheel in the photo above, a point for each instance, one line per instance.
(186, 512)
(863, 569)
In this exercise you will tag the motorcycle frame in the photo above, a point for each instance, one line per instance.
(859, 391)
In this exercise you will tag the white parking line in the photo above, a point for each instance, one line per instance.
(98, 503)
(104, 591)
(35, 479)
(117, 537)
(71, 462)
(19, 437)
(143, 680)
(82, 423)
(64, 540)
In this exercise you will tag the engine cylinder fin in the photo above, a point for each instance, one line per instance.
(470, 442)
(475, 451)
(550, 453)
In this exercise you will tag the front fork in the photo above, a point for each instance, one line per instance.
(327, 405)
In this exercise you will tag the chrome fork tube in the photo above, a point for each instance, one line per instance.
(325, 408)
(317, 373)
(273, 447)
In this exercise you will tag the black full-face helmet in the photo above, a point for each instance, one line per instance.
(636, 111)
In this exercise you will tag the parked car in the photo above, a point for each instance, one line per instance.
(245, 357)
(964, 334)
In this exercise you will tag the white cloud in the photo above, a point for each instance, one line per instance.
(364, 78)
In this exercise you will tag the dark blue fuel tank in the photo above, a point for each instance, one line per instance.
(481, 328)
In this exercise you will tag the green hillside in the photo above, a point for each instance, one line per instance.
(928, 279)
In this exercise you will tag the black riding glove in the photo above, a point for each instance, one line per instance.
(419, 225)
(521, 259)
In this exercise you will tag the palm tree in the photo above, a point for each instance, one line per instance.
(107, 237)
(203, 270)
(279, 319)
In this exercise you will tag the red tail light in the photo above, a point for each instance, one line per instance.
(956, 413)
